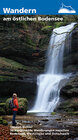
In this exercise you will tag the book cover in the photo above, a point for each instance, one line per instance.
(38, 70)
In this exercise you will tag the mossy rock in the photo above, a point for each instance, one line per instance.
(2, 105)
(8, 109)
(73, 112)
(2, 111)
(70, 106)
(5, 122)
(2, 100)
(22, 106)
(53, 113)
(2, 121)
(70, 90)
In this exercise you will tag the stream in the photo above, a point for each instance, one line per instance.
(44, 126)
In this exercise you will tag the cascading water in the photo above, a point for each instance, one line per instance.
(48, 83)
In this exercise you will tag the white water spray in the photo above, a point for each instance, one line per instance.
(48, 83)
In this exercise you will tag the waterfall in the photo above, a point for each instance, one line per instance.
(48, 91)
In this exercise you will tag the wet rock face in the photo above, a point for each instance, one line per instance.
(19, 41)
(70, 89)
(71, 53)
(23, 42)
(69, 93)
(23, 89)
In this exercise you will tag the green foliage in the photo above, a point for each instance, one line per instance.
(29, 41)
(7, 78)
(2, 105)
(2, 121)
(47, 29)
(2, 111)
(53, 113)
(5, 122)
(58, 24)
(11, 68)
(75, 112)
(70, 18)
(5, 62)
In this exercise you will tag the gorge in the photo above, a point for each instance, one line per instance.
(46, 85)
(22, 58)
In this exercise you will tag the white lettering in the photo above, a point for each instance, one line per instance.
(6, 10)
(22, 10)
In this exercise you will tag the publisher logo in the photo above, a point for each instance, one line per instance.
(66, 9)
